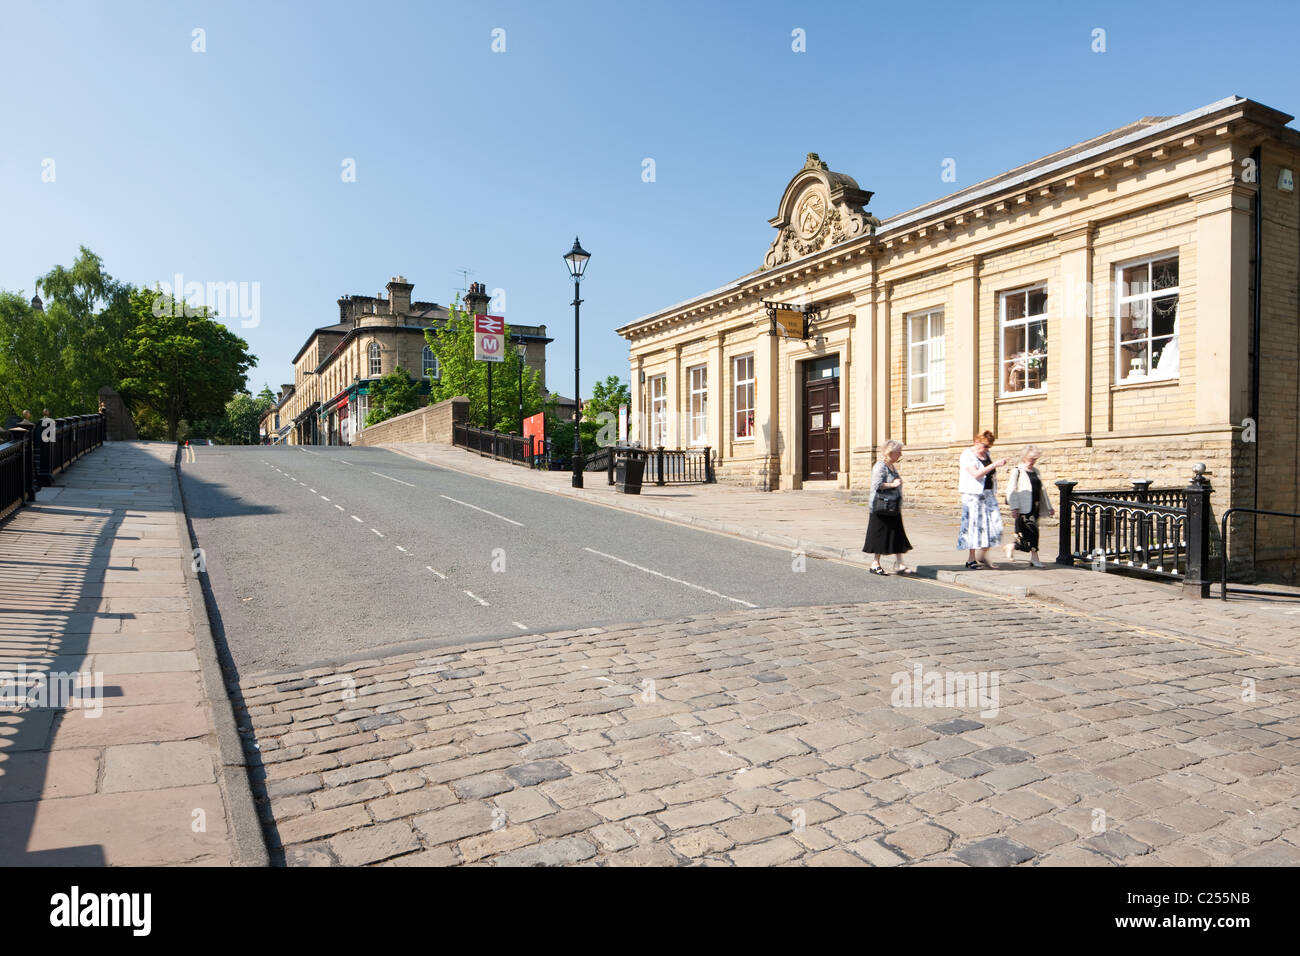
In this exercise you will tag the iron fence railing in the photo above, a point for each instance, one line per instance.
(663, 466)
(17, 471)
(493, 444)
(37, 451)
(1163, 532)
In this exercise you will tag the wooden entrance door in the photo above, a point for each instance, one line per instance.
(821, 419)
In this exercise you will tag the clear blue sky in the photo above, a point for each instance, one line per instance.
(225, 165)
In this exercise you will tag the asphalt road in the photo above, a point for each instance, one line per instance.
(323, 554)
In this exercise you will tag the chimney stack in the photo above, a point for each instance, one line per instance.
(399, 295)
(476, 299)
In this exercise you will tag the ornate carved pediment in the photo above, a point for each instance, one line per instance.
(818, 209)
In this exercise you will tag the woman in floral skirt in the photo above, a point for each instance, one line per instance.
(981, 521)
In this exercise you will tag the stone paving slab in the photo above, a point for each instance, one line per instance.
(806, 736)
(93, 578)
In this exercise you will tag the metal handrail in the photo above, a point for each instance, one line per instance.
(1223, 536)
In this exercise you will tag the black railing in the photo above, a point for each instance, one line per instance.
(667, 466)
(1163, 532)
(500, 445)
(37, 451)
(17, 471)
(1223, 536)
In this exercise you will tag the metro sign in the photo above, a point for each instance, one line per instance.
(489, 338)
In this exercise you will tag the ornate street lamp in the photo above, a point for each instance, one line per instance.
(577, 261)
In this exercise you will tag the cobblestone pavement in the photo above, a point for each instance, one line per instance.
(772, 737)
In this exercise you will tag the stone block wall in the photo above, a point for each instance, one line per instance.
(120, 425)
(433, 423)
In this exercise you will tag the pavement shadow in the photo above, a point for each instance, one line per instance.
(208, 499)
(44, 633)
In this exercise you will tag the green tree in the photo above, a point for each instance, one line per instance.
(394, 394)
(460, 374)
(239, 425)
(561, 436)
(607, 396)
(60, 357)
(182, 364)
(95, 309)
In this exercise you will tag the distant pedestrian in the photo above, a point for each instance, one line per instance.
(981, 521)
(885, 534)
(1028, 499)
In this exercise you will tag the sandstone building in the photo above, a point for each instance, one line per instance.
(329, 399)
(1129, 304)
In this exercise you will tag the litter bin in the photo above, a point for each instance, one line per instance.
(628, 473)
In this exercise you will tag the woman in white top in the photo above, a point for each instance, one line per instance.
(1028, 500)
(981, 521)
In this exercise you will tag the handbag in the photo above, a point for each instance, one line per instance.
(887, 501)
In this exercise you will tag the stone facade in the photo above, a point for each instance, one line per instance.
(374, 335)
(433, 423)
(1038, 304)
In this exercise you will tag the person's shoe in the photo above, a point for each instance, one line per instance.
(1010, 551)
(877, 569)
(903, 569)
(1034, 562)
(972, 565)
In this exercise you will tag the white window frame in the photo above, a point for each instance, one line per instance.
(376, 358)
(935, 368)
(1024, 322)
(744, 395)
(699, 417)
(363, 409)
(1123, 374)
(658, 410)
(430, 362)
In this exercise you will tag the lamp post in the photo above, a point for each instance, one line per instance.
(521, 350)
(577, 260)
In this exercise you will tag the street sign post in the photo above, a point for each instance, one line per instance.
(489, 338)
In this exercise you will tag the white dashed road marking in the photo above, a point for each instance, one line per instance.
(355, 518)
(380, 533)
(439, 573)
(398, 480)
(403, 550)
(666, 577)
(484, 510)
(477, 598)
(521, 627)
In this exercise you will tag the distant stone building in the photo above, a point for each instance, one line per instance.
(333, 371)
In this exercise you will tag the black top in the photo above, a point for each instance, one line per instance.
(1036, 484)
(986, 462)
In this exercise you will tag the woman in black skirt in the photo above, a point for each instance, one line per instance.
(885, 534)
